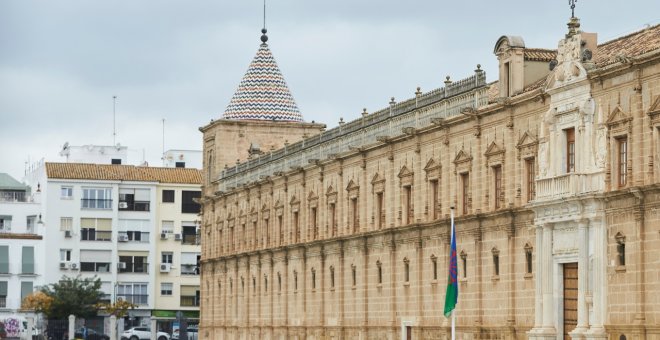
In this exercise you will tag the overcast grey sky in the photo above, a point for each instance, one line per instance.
(62, 61)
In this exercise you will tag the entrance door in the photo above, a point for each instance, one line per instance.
(408, 333)
(570, 297)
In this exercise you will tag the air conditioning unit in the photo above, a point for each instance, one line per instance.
(74, 266)
(177, 237)
(64, 265)
(123, 205)
(165, 267)
(67, 233)
(163, 236)
(121, 265)
(123, 238)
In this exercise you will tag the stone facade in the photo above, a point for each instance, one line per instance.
(547, 171)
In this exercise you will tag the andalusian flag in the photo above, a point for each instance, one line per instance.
(451, 297)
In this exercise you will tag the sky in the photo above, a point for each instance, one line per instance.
(61, 62)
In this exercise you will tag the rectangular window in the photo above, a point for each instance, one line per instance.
(4, 259)
(65, 255)
(407, 204)
(296, 228)
(528, 260)
(97, 267)
(332, 277)
(166, 257)
(406, 272)
(95, 229)
(465, 192)
(3, 294)
(188, 205)
(496, 264)
(333, 219)
(97, 198)
(435, 211)
(133, 264)
(168, 196)
(530, 170)
(622, 161)
(166, 288)
(26, 289)
(380, 214)
(66, 192)
(5, 223)
(190, 263)
(434, 263)
(115, 161)
(354, 214)
(189, 296)
(315, 227)
(66, 223)
(136, 293)
(506, 80)
(134, 199)
(30, 224)
(280, 228)
(27, 262)
(570, 150)
(464, 264)
(497, 178)
(167, 227)
(380, 274)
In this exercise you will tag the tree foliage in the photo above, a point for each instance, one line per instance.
(37, 301)
(118, 309)
(71, 295)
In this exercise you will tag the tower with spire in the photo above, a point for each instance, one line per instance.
(261, 117)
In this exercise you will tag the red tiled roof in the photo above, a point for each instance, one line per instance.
(630, 45)
(87, 171)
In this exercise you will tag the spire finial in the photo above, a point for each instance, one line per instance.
(570, 2)
(264, 37)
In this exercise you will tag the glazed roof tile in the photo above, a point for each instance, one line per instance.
(86, 171)
(263, 93)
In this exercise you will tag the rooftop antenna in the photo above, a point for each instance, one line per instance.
(570, 2)
(264, 37)
(114, 119)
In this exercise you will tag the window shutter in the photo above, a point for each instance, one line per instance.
(28, 260)
(4, 259)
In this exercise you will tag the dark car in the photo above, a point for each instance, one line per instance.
(91, 335)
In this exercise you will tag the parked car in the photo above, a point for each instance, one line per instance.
(142, 333)
(90, 334)
(191, 331)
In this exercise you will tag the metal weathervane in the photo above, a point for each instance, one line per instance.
(572, 3)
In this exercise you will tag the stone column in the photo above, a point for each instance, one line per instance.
(538, 288)
(546, 268)
(72, 327)
(583, 278)
(154, 329)
(599, 269)
(113, 328)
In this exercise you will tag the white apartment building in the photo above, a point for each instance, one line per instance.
(103, 221)
(22, 260)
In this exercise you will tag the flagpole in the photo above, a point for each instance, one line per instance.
(453, 313)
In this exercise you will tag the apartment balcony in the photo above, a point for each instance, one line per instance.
(136, 299)
(190, 239)
(134, 205)
(189, 301)
(138, 268)
(90, 203)
(13, 196)
(96, 235)
(568, 185)
(189, 269)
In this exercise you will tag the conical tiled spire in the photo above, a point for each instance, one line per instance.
(263, 94)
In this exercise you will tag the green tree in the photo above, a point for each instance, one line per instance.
(73, 295)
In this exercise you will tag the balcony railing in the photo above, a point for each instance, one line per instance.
(96, 236)
(90, 203)
(13, 196)
(192, 239)
(189, 301)
(134, 206)
(3, 302)
(140, 268)
(568, 185)
(137, 299)
(189, 269)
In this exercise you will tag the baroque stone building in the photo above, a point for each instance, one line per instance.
(553, 170)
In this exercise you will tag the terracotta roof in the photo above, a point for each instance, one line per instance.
(630, 45)
(540, 54)
(87, 171)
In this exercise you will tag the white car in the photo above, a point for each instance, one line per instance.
(142, 333)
